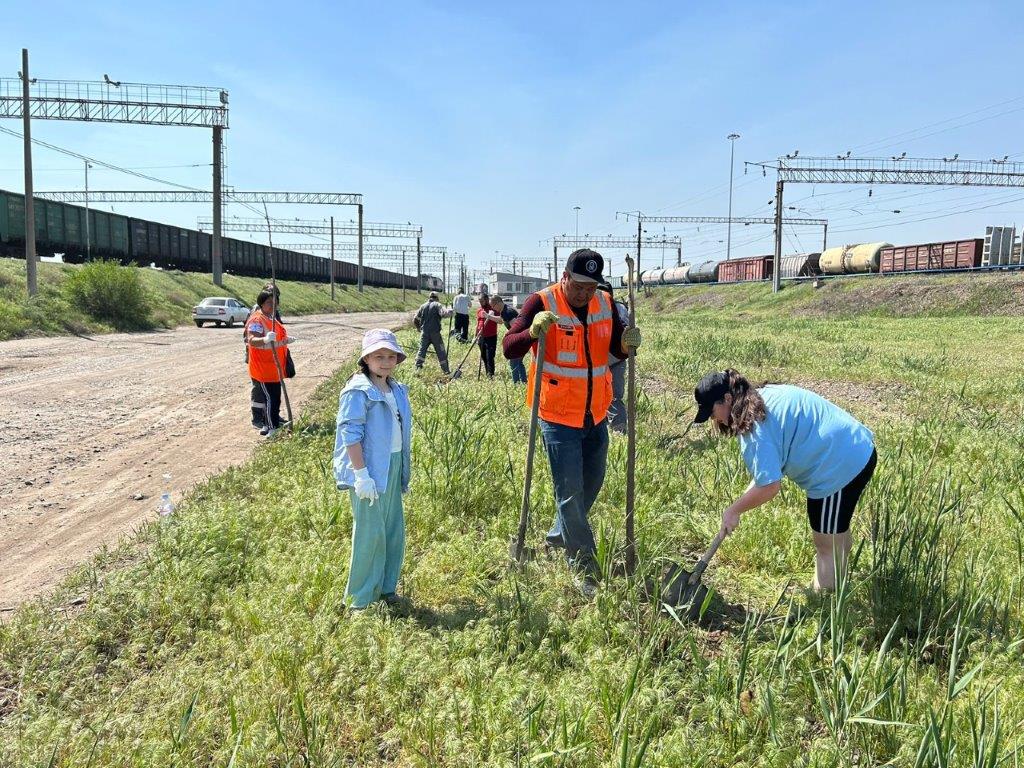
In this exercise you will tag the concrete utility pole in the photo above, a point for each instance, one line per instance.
(88, 240)
(777, 260)
(403, 277)
(217, 261)
(444, 273)
(419, 264)
(30, 211)
(332, 258)
(732, 151)
(360, 246)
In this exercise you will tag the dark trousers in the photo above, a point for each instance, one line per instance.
(461, 327)
(578, 457)
(488, 346)
(266, 404)
(428, 339)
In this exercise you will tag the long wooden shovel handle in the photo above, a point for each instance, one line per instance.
(702, 564)
(524, 511)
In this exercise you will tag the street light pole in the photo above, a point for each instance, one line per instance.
(88, 241)
(732, 152)
(577, 209)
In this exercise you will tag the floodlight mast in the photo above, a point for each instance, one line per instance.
(112, 101)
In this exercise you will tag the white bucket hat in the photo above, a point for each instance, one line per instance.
(381, 338)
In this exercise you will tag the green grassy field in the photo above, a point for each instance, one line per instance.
(173, 294)
(220, 638)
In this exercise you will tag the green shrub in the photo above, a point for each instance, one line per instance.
(111, 293)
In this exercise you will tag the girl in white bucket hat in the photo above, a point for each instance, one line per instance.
(372, 453)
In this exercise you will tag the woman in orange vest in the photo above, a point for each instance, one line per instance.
(266, 337)
(582, 328)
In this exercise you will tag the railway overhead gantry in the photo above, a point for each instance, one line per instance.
(113, 101)
(642, 219)
(202, 196)
(611, 241)
(386, 255)
(911, 171)
(322, 228)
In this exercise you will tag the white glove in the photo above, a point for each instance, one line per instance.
(270, 336)
(365, 488)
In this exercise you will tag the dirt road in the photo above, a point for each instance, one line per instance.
(90, 427)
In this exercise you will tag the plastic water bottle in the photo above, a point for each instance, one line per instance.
(166, 508)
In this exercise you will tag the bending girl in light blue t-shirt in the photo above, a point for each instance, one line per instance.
(787, 430)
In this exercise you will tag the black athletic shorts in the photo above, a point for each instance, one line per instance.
(833, 513)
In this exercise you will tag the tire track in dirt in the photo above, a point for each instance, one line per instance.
(87, 426)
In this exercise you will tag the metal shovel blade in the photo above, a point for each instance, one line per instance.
(678, 593)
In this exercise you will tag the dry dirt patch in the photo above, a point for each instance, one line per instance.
(90, 428)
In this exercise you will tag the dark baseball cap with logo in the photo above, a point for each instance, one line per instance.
(709, 390)
(585, 266)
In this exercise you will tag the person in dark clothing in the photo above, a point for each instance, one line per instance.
(428, 322)
(487, 333)
(507, 315)
(581, 331)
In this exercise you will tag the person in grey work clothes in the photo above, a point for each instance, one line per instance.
(428, 321)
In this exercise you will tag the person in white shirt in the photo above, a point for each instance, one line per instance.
(461, 308)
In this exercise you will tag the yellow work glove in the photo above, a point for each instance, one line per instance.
(541, 322)
(631, 338)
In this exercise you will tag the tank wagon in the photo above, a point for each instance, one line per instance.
(799, 265)
(851, 259)
(60, 229)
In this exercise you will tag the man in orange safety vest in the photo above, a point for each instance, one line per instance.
(582, 328)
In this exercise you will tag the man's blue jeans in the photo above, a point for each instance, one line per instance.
(577, 457)
(518, 370)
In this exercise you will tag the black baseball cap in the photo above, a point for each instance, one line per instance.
(709, 390)
(585, 265)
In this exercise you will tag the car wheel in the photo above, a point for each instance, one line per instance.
(231, 322)
(199, 323)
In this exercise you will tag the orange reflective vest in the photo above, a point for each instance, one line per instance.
(575, 361)
(261, 361)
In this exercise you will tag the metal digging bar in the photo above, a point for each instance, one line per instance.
(518, 550)
(631, 430)
(273, 344)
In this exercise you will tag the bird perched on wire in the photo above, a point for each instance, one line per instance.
(108, 81)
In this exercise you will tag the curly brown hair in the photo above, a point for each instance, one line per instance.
(747, 406)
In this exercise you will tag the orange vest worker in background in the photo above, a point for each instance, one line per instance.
(581, 329)
(260, 329)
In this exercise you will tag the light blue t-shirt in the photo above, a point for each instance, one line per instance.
(813, 442)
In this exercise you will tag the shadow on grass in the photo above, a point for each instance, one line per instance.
(452, 617)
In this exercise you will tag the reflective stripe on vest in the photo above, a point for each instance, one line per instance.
(566, 377)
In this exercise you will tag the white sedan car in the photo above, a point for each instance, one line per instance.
(220, 310)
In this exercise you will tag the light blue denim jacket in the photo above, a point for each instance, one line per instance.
(364, 417)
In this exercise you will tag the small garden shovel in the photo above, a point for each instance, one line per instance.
(681, 588)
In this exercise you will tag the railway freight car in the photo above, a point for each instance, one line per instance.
(955, 254)
(799, 265)
(651, 276)
(744, 270)
(675, 275)
(851, 259)
(703, 272)
(60, 230)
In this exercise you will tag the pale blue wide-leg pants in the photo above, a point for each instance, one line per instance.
(378, 541)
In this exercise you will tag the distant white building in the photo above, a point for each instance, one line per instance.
(514, 288)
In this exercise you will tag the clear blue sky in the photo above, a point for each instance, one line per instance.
(487, 123)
